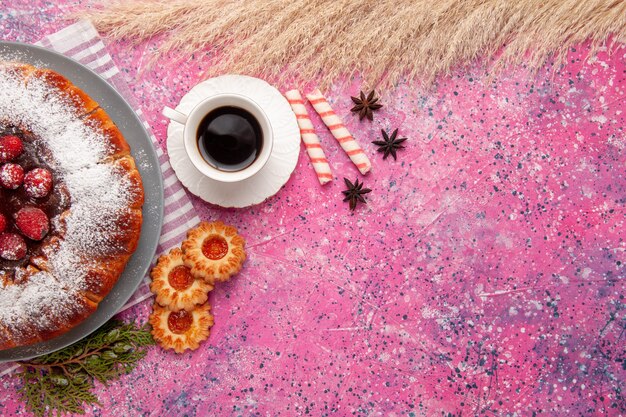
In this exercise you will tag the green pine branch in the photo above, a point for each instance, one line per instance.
(62, 381)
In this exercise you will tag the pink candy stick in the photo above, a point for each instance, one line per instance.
(310, 139)
(339, 131)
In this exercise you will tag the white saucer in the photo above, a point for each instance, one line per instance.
(278, 168)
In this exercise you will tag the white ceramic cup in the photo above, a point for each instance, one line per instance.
(191, 122)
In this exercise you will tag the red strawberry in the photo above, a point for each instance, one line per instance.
(32, 222)
(38, 182)
(11, 176)
(10, 148)
(3, 223)
(12, 246)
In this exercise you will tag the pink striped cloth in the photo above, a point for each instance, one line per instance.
(81, 42)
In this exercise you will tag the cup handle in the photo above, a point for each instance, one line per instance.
(174, 115)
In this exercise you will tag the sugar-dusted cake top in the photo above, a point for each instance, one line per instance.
(92, 208)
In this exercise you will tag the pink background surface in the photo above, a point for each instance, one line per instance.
(485, 276)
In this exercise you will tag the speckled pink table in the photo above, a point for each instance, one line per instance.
(485, 276)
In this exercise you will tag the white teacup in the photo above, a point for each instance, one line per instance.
(191, 123)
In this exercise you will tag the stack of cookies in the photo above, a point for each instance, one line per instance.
(182, 279)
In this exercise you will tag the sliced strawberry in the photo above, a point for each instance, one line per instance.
(3, 223)
(12, 246)
(10, 148)
(32, 222)
(38, 182)
(11, 176)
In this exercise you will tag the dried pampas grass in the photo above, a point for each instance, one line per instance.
(381, 40)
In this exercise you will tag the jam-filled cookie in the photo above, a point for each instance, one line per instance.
(174, 285)
(181, 330)
(214, 251)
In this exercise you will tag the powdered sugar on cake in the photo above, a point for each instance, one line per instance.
(99, 194)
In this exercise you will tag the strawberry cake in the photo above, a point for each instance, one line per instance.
(70, 205)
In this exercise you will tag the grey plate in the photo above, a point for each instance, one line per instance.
(148, 166)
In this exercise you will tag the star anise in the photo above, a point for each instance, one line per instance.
(354, 193)
(365, 106)
(390, 144)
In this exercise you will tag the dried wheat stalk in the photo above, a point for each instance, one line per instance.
(382, 40)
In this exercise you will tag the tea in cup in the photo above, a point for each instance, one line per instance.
(227, 137)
